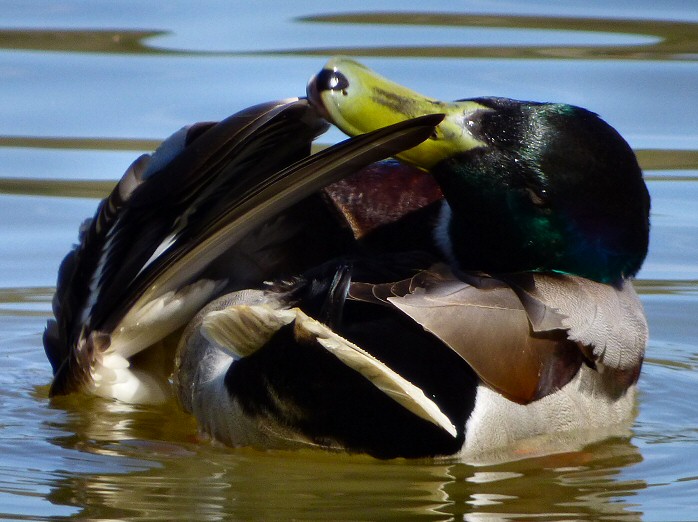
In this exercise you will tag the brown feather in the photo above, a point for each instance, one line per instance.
(607, 322)
(381, 194)
(486, 324)
(606, 319)
(525, 335)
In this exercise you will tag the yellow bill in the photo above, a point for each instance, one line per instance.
(357, 100)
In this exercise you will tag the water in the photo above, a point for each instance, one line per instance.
(88, 85)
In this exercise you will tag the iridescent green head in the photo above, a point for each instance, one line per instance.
(531, 186)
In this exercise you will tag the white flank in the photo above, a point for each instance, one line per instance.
(129, 385)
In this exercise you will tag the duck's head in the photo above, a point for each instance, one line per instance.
(531, 186)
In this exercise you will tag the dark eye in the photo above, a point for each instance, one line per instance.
(538, 197)
(331, 80)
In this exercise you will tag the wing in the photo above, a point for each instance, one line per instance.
(254, 369)
(241, 330)
(183, 197)
(607, 322)
(132, 222)
(73, 286)
(525, 335)
(484, 321)
(134, 278)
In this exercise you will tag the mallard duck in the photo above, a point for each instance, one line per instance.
(479, 298)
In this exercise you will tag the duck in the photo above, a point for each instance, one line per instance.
(473, 294)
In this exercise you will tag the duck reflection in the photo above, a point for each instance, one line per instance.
(144, 469)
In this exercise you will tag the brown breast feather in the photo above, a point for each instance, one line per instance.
(381, 194)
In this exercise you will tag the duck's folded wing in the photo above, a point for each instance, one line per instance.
(241, 330)
(139, 214)
(606, 321)
(135, 271)
(525, 335)
(484, 321)
(186, 189)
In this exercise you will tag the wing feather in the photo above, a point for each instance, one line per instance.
(164, 224)
(240, 330)
(526, 335)
(485, 322)
(607, 320)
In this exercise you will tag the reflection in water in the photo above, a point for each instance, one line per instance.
(665, 286)
(670, 40)
(25, 302)
(676, 40)
(57, 188)
(81, 41)
(667, 159)
(60, 142)
(151, 471)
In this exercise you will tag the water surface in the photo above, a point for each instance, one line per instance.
(88, 85)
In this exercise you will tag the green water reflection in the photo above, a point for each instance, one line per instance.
(676, 40)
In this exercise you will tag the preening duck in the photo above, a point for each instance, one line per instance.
(476, 299)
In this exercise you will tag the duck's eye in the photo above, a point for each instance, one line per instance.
(538, 198)
(331, 80)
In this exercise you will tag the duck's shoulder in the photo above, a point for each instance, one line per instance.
(609, 320)
(525, 335)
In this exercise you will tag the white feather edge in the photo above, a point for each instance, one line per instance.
(129, 385)
(112, 375)
(145, 325)
(241, 330)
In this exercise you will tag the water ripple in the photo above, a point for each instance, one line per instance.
(663, 40)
